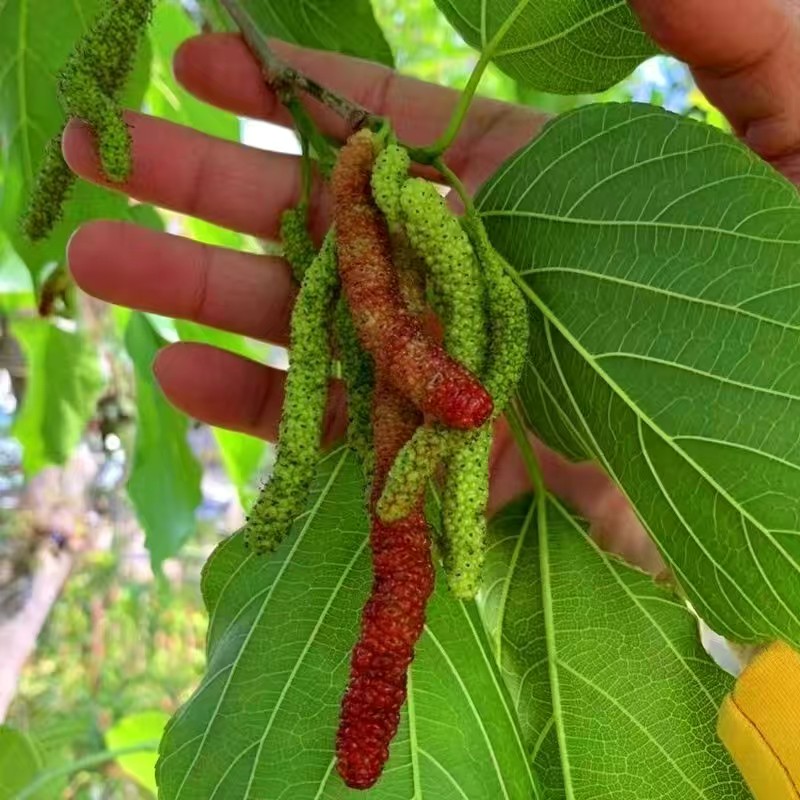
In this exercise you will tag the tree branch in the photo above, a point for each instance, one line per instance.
(288, 82)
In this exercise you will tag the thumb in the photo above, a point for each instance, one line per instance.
(745, 56)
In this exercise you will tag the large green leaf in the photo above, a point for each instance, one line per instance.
(164, 483)
(63, 384)
(166, 98)
(343, 26)
(242, 455)
(662, 263)
(36, 37)
(560, 46)
(616, 695)
(262, 723)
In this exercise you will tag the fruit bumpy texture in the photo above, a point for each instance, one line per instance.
(447, 247)
(299, 445)
(394, 616)
(416, 365)
(50, 191)
(89, 88)
(358, 373)
(436, 234)
(298, 248)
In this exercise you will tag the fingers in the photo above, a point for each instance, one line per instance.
(163, 274)
(745, 56)
(178, 168)
(219, 69)
(232, 392)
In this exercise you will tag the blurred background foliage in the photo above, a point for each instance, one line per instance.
(102, 483)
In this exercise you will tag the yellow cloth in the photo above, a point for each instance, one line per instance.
(759, 723)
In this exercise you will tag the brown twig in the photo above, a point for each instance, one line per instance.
(289, 82)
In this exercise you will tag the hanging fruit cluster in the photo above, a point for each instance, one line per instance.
(396, 267)
(420, 409)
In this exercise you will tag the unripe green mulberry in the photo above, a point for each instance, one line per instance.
(414, 466)
(464, 499)
(359, 377)
(388, 177)
(91, 82)
(436, 234)
(53, 183)
(298, 248)
(108, 49)
(508, 316)
(283, 497)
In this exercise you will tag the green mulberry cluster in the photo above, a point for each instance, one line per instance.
(388, 178)
(486, 329)
(299, 446)
(89, 88)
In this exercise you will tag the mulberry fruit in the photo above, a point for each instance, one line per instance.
(413, 362)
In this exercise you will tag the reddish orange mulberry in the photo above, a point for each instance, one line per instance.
(416, 365)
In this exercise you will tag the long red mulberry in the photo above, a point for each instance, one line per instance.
(394, 616)
(413, 362)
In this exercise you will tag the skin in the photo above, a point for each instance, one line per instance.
(745, 55)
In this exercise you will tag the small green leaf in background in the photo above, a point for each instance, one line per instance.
(19, 762)
(164, 483)
(138, 729)
(343, 26)
(64, 381)
(661, 259)
(616, 696)
(559, 46)
(36, 37)
(263, 721)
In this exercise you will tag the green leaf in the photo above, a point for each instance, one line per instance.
(560, 46)
(36, 37)
(19, 762)
(64, 383)
(164, 484)
(133, 730)
(661, 259)
(262, 723)
(342, 26)
(616, 695)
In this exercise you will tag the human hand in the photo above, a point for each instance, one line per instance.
(246, 189)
